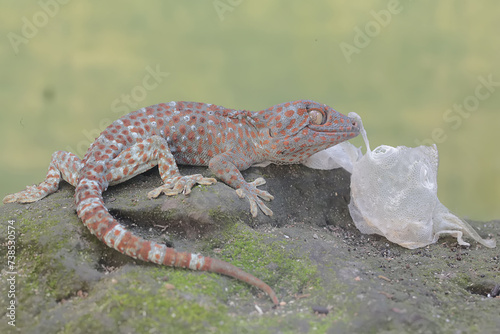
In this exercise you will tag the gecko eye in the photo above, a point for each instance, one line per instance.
(316, 116)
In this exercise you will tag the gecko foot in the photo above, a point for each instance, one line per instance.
(250, 191)
(30, 194)
(180, 184)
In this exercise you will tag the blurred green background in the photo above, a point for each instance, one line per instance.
(402, 65)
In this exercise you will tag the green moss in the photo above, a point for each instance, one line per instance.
(140, 302)
(463, 280)
(275, 262)
(32, 230)
(219, 216)
(40, 257)
(194, 302)
(185, 281)
(202, 187)
(142, 295)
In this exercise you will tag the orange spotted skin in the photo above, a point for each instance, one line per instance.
(189, 133)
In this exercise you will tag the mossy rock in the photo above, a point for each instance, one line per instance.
(309, 252)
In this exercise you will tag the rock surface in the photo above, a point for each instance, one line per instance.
(329, 277)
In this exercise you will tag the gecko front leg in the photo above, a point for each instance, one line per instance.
(227, 167)
(173, 182)
(146, 154)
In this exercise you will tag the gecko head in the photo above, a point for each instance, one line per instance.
(302, 128)
(308, 119)
(326, 120)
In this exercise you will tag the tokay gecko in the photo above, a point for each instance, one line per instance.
(189, 133)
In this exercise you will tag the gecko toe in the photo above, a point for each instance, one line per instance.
(29, 195)
(180, 184)
(9, 199)
(258, 182)
(265, 209)
(206, 181)
(255, 204)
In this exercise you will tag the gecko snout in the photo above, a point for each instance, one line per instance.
(355, 125)
(355, 129)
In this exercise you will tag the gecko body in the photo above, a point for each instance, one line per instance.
(189, 133)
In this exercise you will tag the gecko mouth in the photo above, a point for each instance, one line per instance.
(350, 128)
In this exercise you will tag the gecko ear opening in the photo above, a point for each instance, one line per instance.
(268, 132)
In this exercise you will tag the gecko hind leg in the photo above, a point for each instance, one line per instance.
(63, 164)
(227, 167)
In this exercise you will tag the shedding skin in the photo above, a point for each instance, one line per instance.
(189, 133)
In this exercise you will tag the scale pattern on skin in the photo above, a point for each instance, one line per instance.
(189, 133)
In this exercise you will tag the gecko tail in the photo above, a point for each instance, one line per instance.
(224, 268)
(91, 210)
